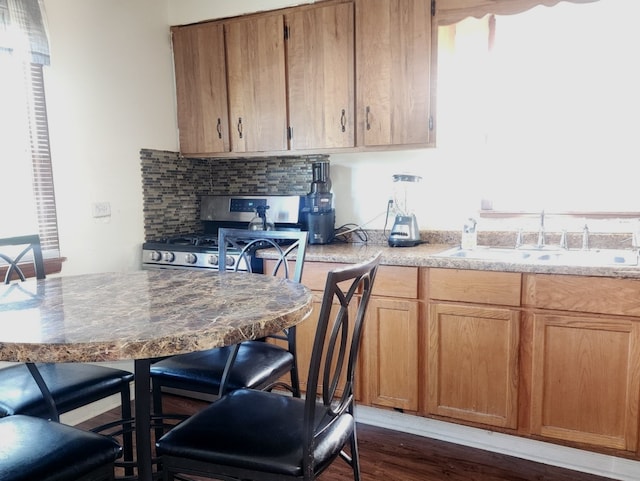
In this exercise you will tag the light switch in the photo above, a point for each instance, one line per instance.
(101, 209)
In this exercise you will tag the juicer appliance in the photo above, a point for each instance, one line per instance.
(321, 216)
(405, 231)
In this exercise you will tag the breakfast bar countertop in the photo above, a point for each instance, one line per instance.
(142, 314)
(427, 255)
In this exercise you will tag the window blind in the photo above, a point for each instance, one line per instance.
(43, 190)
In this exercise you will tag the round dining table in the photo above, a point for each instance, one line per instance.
(142, 315)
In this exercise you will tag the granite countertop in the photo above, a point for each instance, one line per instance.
(142, 314)
(426, 255)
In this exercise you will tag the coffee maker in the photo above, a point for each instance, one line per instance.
(319, 211)
(405, 232)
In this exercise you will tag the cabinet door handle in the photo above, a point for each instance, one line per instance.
(219, 128)
(343, 120)
(368, 110)
(240, 126)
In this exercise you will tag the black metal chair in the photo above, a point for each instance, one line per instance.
(47, 390)
(265, 436)
(251, 364)
(36, 449)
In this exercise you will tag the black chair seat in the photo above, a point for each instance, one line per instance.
(238, 430)
(71, 385)
(256, 365)
(35, 449)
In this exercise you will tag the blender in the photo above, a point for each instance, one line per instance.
(321, 215)
(405, 232)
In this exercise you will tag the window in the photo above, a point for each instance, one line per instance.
(25, 161)
(547, 103)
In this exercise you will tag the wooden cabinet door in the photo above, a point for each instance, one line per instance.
(305, 335)
(201, 88)
(390, 353)
(257, 84)
(586, 379)
(393, 57)
(473, 363)
(321, 71)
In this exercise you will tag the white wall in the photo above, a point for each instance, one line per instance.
(109, 93)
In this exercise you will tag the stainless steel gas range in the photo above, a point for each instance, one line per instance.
(199, 250)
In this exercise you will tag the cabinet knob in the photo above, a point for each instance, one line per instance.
(343, 120)
(240, 126)
(368, 124)
(219, 128)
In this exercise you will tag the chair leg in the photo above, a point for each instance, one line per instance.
(295, 381)
(156, 394)
(355, 455)
(127, 427)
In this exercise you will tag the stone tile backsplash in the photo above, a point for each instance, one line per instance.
(172, 185)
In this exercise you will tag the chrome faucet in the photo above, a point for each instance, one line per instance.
(519, 238)
(585, 238)
(541, 240)
(563, 240)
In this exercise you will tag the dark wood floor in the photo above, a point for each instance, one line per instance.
(393, 456)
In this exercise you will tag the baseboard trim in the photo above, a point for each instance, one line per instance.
(538, 451)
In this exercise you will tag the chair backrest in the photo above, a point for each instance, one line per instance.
(290, 248)
(14, 251)
(335, 349)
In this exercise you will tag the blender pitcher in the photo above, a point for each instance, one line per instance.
(405, 232)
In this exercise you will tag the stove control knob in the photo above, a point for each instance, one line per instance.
(230, 261)
(190, 258)
(168, 256)
(155, 256)
(213, 259)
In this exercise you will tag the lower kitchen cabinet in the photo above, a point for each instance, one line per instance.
(305, 335)
(388, 364)
(392, 340)
(390, 352)
(585, 382)
(314, 277)
(585, 366)
(472, 368)
(473, 364)
(554, 357)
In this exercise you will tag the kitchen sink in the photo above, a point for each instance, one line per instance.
(488, 253)
(547, 255)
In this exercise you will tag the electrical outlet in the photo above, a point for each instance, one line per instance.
(101, 209)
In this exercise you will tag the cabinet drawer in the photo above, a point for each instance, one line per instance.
(583, 294)
(314, 274)
(483, 287)
(395, 281)
(391, 281)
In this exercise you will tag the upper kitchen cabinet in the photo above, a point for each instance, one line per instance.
(201, 88)
(321, 72)
(257, 83)
(393, 64)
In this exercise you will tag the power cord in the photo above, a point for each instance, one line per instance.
(340, 234)
(386, 219)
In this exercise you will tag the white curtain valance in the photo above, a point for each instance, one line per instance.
(23, 29)
(452, 11)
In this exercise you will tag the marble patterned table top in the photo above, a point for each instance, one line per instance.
(142, 314)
